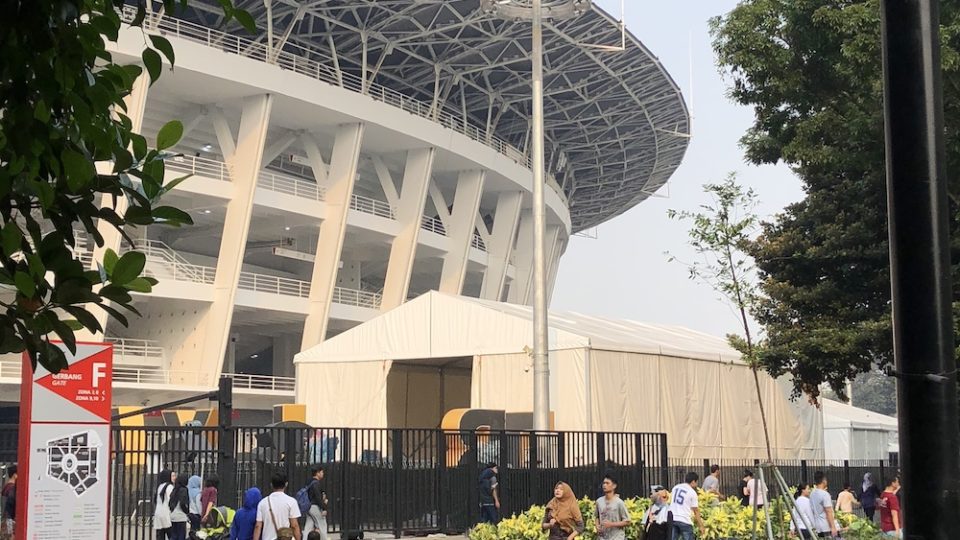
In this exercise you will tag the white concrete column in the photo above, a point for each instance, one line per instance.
(554, 266)
(136, 105)
(522, 260)
(214, 330)
(505, 222)
(463, 219)
(403, 251)
(340, 177)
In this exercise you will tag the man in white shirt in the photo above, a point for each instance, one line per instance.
(685, 508)
(801, 518)
(757, 492)
(277, 511)
(821, 506)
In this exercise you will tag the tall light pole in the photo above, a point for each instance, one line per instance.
(534, 10)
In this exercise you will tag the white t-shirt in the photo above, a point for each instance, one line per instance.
(757, 491)
(161, 511)
(803, 509)
(683, 499)
(284, 508)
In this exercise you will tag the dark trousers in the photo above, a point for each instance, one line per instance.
(869, 512)
(178, 531)
(489, 514)
(194, 522)
(163, 534)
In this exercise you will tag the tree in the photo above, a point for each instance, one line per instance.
(720, 233)
(62, 102)
(811, 71)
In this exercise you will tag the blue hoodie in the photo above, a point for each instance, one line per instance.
(194, 486)
(246, 518)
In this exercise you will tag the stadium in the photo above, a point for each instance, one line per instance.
(356, 154)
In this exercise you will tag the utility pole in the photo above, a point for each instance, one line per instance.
(920, 267)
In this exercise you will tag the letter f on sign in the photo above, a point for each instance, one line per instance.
(98, 373)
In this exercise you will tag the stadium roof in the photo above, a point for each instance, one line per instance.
(616, 123)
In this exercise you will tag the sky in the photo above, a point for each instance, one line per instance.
(624, 272)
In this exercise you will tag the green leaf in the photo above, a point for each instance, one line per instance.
(169, 186)
(139, 144)
(106, 26)
(41, 111)
(25, 284)
(110, 259)
(128, 268)
(120, 318)
(73, 324)
(169, 134)
(171, 216)
(161, 44)
(140, 285)
(153, 63)
(11, 238)
(78, 168)
(245, 20)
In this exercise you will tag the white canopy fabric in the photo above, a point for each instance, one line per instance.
(853, 433)
(606, 375)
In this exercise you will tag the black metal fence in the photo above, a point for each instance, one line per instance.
(399, 481)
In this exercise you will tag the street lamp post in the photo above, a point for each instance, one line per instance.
(534, 11)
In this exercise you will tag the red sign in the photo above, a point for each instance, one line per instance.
(86, 383)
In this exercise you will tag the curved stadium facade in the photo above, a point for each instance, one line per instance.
(365, 153)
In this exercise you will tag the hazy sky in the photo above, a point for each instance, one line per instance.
(624, 273)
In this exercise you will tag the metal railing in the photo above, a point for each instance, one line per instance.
(274, 284)
(433, 224)
(200, 166)
(130, 349)
(477, 242)
(11, 368)
(178, 268)
(371, 206)
(353, 297)
(290, 186)
(155, 375)
(244, 381)
(299, 62)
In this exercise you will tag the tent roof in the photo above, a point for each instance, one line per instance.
(438, 325)
(837, 415)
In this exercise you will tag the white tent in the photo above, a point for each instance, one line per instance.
(853, 433)
(438, 352)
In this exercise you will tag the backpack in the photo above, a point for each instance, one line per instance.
(303, 498)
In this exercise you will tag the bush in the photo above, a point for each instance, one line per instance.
(723, 520)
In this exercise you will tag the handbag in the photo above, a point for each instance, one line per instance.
(284, 533)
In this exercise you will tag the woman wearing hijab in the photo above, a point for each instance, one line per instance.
(161, 512)
(246, 518)
(179, 508)
(193, 491)
(563, 518)
(869, 496)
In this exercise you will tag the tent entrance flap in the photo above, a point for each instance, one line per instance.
(420, 392)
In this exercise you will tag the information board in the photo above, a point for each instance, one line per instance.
(64, 485)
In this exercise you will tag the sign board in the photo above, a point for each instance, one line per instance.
(64, 486)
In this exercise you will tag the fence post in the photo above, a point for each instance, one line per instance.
(502, 460)
(664, 462)
(804, 473)
(442, 488)
(706, 468)
(601, 461)
(883, 477)
(344, 489)
(561, 451)
(226, 464)
(290, 455)
(472, 472)
(397, 467)
(846, 471)
(533, 488)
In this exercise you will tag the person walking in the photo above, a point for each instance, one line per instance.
(711, 484)
(208, 497)
(489, 498)
(245, 519)
(744, 497)
(802, 515)
(657, 522)
(821, 507)
(161, 508)
(612, 515)
(685, 508)
(9, 517)
(317, 517)
(891, 519)
(756, 492)
(278, 514)
(194, 487)
(562, 518)
(846, 500)
(868, 496)
(179, 508)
